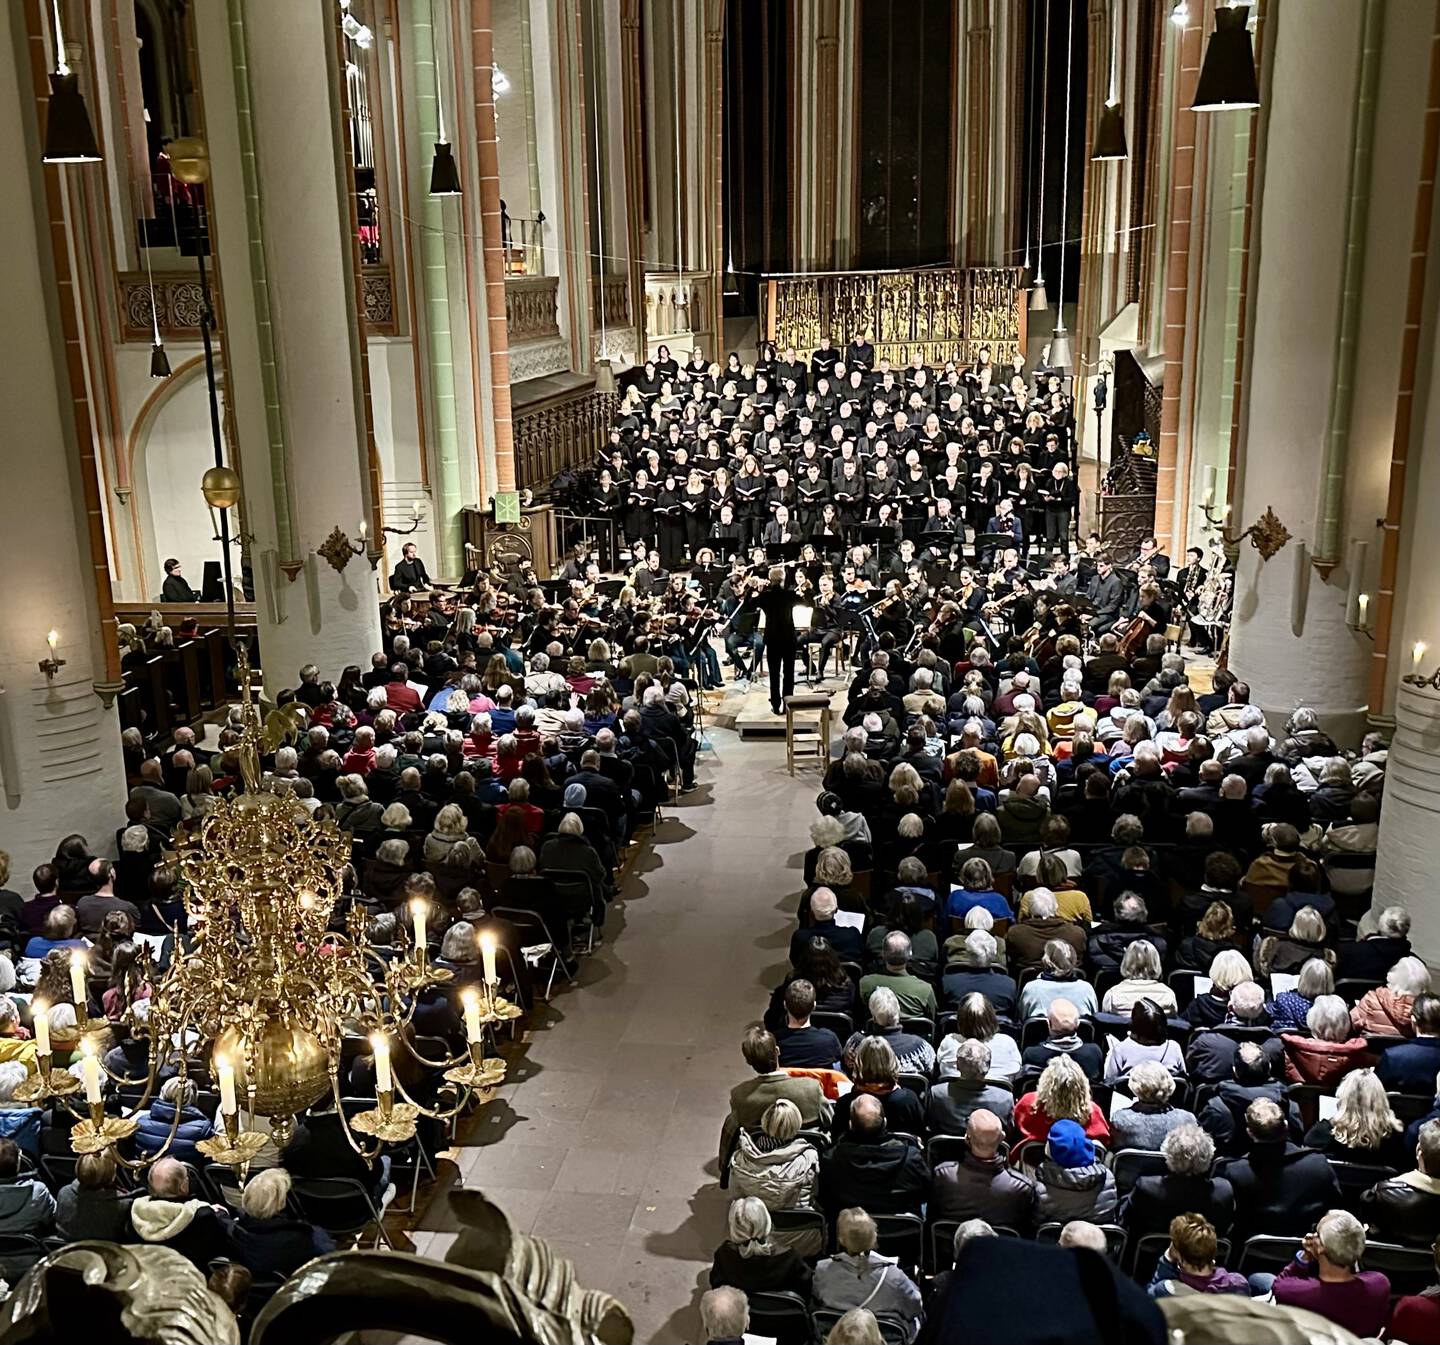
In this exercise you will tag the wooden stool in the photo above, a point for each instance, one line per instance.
(819, 741)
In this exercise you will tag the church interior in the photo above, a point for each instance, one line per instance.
(566, 537)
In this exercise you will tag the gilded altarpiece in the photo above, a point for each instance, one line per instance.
(941, 313)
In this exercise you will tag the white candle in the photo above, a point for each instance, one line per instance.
(41, 1024)
(77, 982)
(52, 640)
(471, 1001)
(90, 1068)
(487, 957)
(225, 1077)
(1417, 653)
(364, 529)
(1209, 487)
(381, 1047)
(415, 509)
(417, 909)
(1364, 604)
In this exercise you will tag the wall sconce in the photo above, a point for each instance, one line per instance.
(50, 666)
(1414, 677)
(338, 549)
(1267, 534)
(401, 532)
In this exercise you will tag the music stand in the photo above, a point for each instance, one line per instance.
(786, 553)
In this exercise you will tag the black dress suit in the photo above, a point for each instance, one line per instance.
(778, 604)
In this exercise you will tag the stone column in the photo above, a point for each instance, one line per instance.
(60, 764)
(482, 40)
(280, 236)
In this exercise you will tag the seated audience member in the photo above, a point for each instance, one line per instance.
(1105, 950)
(1086, 1300)
(966, 1230)
(169, 1216)
(1223, 1114)
(1385, 1011)
(971, 972)
(1331, 1051)
(1146, 1040)
(268, 1240)
(1026, 939)
(1186, 1186)
(982, 1185)
(801, 1044)
(724, 1316)
(1410, 1067)
(59, 932)
(26, 1206)
(751, 1260)
(1072, 1181)
(876, 1073)
(1415, 1318)
(914, 1053)
(18, 1121)
(879, 1172)
(1062, 1094)
(1145, 1124)
(1407, 1208)
(749, 1100)
(1140, 979)
(176, 1094)
(1370, 958)
(779, 1168)
(1279, 1187)
(859, 1326)
(1211, 1055)
(975, 888)
(858, 1276)
(975, 1020)
(955, 1097)
(906, 914)
(1213, 935)
(1059, 978)
(1188, 1263)
(1063, 1022)
(917, 997)
(1289, 952)
(834, 990)
(1227, 969)
(1364, 1128)
(845, 940)
(91, 1208)
(1325, 1277)
(1290, 1008)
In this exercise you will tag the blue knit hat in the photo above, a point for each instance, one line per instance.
(1069, 1146)
(575, 796)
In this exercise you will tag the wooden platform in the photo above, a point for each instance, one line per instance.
(748, 711)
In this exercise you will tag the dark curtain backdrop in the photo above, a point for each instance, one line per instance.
(904, 90)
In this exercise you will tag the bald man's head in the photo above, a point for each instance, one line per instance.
(1211, 772)
(867, 1117)
(983, 1133)
(1064, 1018)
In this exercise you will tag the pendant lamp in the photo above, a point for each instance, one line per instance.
(1227, 78)
(1110, 135)
(1060, 356)
(159, 361)
(1039, 300)
(69, 137)
(444, 175)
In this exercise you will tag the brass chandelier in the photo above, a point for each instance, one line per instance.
(270, 991)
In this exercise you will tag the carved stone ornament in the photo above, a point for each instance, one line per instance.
(1268, 534)
(104, 1294)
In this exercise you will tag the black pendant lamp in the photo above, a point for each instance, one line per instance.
(69, 136)
(1110, 134)
(159, 360)
(444, 176)
(1227, 78)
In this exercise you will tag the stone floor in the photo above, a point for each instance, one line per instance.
(603, 1139)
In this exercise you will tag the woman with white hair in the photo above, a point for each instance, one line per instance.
(1060, 976)
(1290, 951)
(176, 1094)
(781, 1169)
(751, 1259)
(1227, 969)
(1290, 1008)
(1185, 1186)
(857, 1276)
(1385, 1011)
(1331, 1051)
(356, 812)
(268, 1241)
(1146, 1123)
(856, 1327)
(448, 843)
(1363, 1129)
(1139, 979)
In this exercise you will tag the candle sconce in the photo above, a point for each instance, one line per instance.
(1267, 534)
(52, 665)
(1415, 677)
(338, 549)
(415, 516)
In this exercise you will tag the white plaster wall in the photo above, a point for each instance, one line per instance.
(510, 108)
(169, 461)
(397, 441)
(60, 765)
(1409, 847)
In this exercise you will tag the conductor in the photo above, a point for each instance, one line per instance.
(409, 576)
(778, 604)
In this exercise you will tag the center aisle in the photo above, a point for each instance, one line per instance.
(604, 1139)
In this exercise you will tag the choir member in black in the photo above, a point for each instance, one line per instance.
(640, 511)
(749, 490)
(823, 360)
(1006, 522)
(849, 493)
(695, 512)
(941, 529)
(725, 532)
(914, 492)
(860, 353)
(880, 489)
(1059, 496)
(608, 500)
(1024, 493)
(409, 575)
(782, 493)
(830, 531)
(984, 496)
(778, 531)
(777, 602)
(669, 525)
(811, 492)
(825, 623)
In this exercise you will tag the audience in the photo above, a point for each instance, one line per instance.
(857, 1276)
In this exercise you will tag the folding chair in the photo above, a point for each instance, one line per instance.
(533, 922)
(1129, 1165)
(919, 1027)
(841, 1024)
(409, 1157)
(1116, 1238)
(1270, 1254)
(18, 1253)
(780, 1314)
(901, 1236)
(341, 1206)
(945, 1149)
(1357, 1178)
(796, 1223)
(1410, 1270)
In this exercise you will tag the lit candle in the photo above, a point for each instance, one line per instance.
(52, 640)
(364, 529)
(1364, 604)
(77, 982)
(41, 1024)
(90, 1068)
(225, 1077)
(417, 909)
(487, 956)
(471, 1001)
(381, 1047)
(415, 509)
(1209, 487)
(1417, 653)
